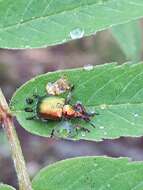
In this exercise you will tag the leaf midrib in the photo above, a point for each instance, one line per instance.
(99, 105)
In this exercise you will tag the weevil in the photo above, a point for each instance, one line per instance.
(57, 108)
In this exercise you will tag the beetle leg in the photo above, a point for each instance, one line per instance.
(69, 96)
(72, 88)
(29, 100)
(80, 108)
(92, 124)
(31, 118)
(28, 109)
(52, 133)
(81, 128)
(87, 119)
(36, 96)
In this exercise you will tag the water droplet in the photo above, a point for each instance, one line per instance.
(88, 67)
(76, 33)
(101, 127)
(136, 115)
(103, 106)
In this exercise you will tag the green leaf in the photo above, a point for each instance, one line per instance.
(91, 173)
(129, 38)
(114, 91)
(34, 23)
(6, 187)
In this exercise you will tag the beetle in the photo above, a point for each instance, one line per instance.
(57, 108)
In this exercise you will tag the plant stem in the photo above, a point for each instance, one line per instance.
(17, 156)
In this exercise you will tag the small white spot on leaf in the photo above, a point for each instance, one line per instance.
(101, 127)
(103, 106)
(136, 115)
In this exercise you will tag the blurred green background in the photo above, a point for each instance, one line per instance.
(18, 66)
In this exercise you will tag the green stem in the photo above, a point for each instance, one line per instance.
(17, 156)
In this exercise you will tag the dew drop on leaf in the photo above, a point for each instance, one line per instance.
(101, 127)
(76, 33)
(103, 106)
(136, 115)
(88, 67)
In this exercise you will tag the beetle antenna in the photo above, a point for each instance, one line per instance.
(31, 118)
(36, 96)
(77, 127)
(29, 100)
(52, 133)
(72, 87)
(92, 124)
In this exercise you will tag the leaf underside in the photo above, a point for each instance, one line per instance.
(34, 23)
(114, 91)
(100, 173)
